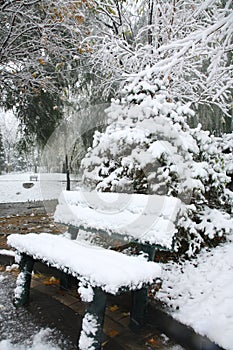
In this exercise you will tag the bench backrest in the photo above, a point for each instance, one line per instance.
(145, 219)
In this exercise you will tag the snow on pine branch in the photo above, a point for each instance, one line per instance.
(148, 147)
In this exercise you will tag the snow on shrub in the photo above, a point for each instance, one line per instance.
(226, 145)
(148, 147)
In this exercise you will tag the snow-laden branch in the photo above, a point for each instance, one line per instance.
(190, 50)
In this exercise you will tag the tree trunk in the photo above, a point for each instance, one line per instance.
(67, 174)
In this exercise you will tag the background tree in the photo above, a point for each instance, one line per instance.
(36, 35)
(56, 51)
(39, 50)
(2, 155)
(187, 44)
(10, 137)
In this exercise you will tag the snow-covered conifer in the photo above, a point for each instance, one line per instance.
(226, 145)
(148, 147)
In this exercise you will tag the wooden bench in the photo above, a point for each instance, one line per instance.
(33, 177)
(98, 222)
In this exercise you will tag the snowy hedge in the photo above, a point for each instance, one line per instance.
(148, 147)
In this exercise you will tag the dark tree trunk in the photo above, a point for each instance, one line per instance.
(67, 175)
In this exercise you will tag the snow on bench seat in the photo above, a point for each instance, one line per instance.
(100, 267)
(144, 218)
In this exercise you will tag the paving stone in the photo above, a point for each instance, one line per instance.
(65, 299)
(112, 328)
(78, 307)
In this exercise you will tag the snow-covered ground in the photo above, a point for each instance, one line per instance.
(20, 330)
(48, 186)
(199, 293)
(39, 341)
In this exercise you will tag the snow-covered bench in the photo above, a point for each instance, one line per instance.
(96, 219)
(33, 177)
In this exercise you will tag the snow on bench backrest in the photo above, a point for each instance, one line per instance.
(142, 218)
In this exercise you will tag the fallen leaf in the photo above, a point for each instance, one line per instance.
(52, 280)
(112, 333)
(152, 341)
(113, 308)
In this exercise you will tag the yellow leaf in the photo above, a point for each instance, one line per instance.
(111, 11)
(80, 19)
(112, 333)
(41, 61)
(113, 308)
(152, 341)
(104, 343)
(51, 280)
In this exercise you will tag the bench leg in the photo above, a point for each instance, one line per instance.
(22, 290)
(138, 308)
(65, 281)
(92, 325)
(140, 297)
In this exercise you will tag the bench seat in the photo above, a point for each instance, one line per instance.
(111, 271)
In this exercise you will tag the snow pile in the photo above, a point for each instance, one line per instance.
(199, 293)
(148, 147)
(39, 342)
(136, 216)
(111, 270)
